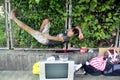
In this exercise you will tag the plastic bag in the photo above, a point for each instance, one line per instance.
(36, 68)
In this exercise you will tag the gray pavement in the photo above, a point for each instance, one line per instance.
(27, 75)
(17, 65)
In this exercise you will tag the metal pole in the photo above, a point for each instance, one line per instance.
(70, 12)
(6, 23)
(11, 30)
(66, 22)
(69, 18)
(117, 37)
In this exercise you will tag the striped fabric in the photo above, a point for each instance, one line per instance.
(98, 62)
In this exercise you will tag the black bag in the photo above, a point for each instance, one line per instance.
(91, 70)
(112, 70)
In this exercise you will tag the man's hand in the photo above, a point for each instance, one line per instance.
(80, 33)
(81, 36)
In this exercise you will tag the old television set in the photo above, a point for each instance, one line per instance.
(56, 70)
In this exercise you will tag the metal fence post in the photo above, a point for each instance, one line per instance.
(69, 18)
(7, 23)
(10, 26)
(119, 37)
(66, 22)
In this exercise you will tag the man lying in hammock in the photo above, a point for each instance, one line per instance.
(43, 36)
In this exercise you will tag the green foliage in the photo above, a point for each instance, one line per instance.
(2, 27)
(2, 38)
(97, 18)
(32, 12)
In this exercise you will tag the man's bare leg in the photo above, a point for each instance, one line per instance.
(45, 21)
(21, 24)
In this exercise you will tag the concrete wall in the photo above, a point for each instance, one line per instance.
(24, 60)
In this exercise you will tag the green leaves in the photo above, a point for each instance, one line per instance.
(97, 22)
(93, 4)
(37, 1)
(97, 19)
(2, 31)
(32, 13)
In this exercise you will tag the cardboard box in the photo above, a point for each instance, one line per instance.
(103, 50)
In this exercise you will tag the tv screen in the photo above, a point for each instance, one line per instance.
(54, 71)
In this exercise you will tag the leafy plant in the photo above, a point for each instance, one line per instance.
(2, 26)
(98, 19)
(32, 12)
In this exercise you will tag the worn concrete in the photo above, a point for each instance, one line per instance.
(27, 75)
(24, 60)
(17, 65)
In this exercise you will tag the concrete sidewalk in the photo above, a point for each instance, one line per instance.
(17, 65)
(27, 75)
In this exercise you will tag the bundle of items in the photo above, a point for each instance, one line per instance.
(113, 63)
(108, 64)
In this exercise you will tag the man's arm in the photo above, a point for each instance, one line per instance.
(80, 33)
(53, 38)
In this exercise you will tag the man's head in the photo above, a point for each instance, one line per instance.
(73, 32)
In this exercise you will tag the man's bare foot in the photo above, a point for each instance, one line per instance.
(13, 14)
